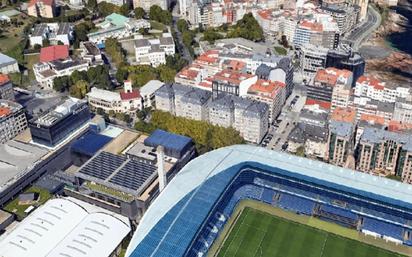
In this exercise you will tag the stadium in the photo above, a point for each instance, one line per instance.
(188, 217)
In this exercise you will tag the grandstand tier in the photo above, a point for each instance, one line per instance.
(190, 213)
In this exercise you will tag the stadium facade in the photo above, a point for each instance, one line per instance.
(189, 214)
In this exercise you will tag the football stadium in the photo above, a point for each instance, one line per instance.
(250, 201)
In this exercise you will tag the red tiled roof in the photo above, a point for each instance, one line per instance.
(4, 111)
(232, 76)
(323, 104)
(344, 114)
(130, 95)
(45, 2)
(4, 79)
(52, 53)
(376, 83)
(373, 118)
(266, 87)
(398, 126)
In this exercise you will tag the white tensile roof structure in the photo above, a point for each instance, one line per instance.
(66, 227)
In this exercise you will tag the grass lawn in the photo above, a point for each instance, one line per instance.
(259, 234)
(31, 60)
(15, 207)
(157, 25)
(12, 35)
(281, 50)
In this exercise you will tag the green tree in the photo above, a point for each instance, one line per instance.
(115, 51)
(77, 76)
(166, 74)
(80, 89)
(92, 4)
(176, 62)
(80, 32)
(99, 77)
(139, 13)
(182, 25)
(105, 9)
(157, 14)
(125, 9)
(210, 35)
(247, 28)
(61, 84)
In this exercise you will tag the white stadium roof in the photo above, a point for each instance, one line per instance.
(66, 227)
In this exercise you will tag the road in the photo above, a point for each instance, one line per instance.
(361, 33)
(289, 118)
(181, 48)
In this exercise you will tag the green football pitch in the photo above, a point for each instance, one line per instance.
(258, 234)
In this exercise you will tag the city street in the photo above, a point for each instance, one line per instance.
(288, 120)
(359, 34)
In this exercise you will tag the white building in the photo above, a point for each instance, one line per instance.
(54, 32)
(154, 51)
(127, 101)
(117, 26)
(67, 227)
(46, 72)
(312, 59)
(375, 89)
(8, 64)
(147, 92)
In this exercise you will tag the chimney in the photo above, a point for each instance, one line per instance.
(160, 168)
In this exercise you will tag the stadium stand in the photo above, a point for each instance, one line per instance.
(191, 212)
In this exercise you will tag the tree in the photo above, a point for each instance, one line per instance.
(210, 35)
(77, 76)
(92, 4)
(99, 77)
(182, 25)
(61, 84)
(80, 89)
(139, 13)
(125, 9)
(247, 28)
(105, 9)
(176, 62)
(80, 32)
(115, 51)
(122, 73)
(157, 14)
(166, 74)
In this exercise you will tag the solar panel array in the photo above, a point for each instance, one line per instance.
(133, 175)
(103, 165)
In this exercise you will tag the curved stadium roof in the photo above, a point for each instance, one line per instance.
(172, 221)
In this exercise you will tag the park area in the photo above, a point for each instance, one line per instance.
(260, 234)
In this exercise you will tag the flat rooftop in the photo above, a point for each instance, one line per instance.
(16, 159)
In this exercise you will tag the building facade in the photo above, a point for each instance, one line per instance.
(12, 120)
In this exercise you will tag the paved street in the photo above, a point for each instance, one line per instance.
(289, 117)
(362, 32)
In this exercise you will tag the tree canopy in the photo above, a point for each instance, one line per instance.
(139, 13)
(115, 51)
(206, 136)
(158, 14)
(247, 28)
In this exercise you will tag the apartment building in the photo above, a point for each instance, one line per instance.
(12, 120)
(154, 51)
(183, 101)
(146, 4)
(271, 93)
(192, 75)
(53, 32)
(322, 33)
(340, 141)
(322, 87)
(91, 53)
(46, 72)
(126, 101)
(342, 91)
(6, 88)
(250, 118)
(117, 26)
(370, 87)
(148, 91)
(42, 8)
(385, 152)
(312, 59)
(232, 82)
(403, 110)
